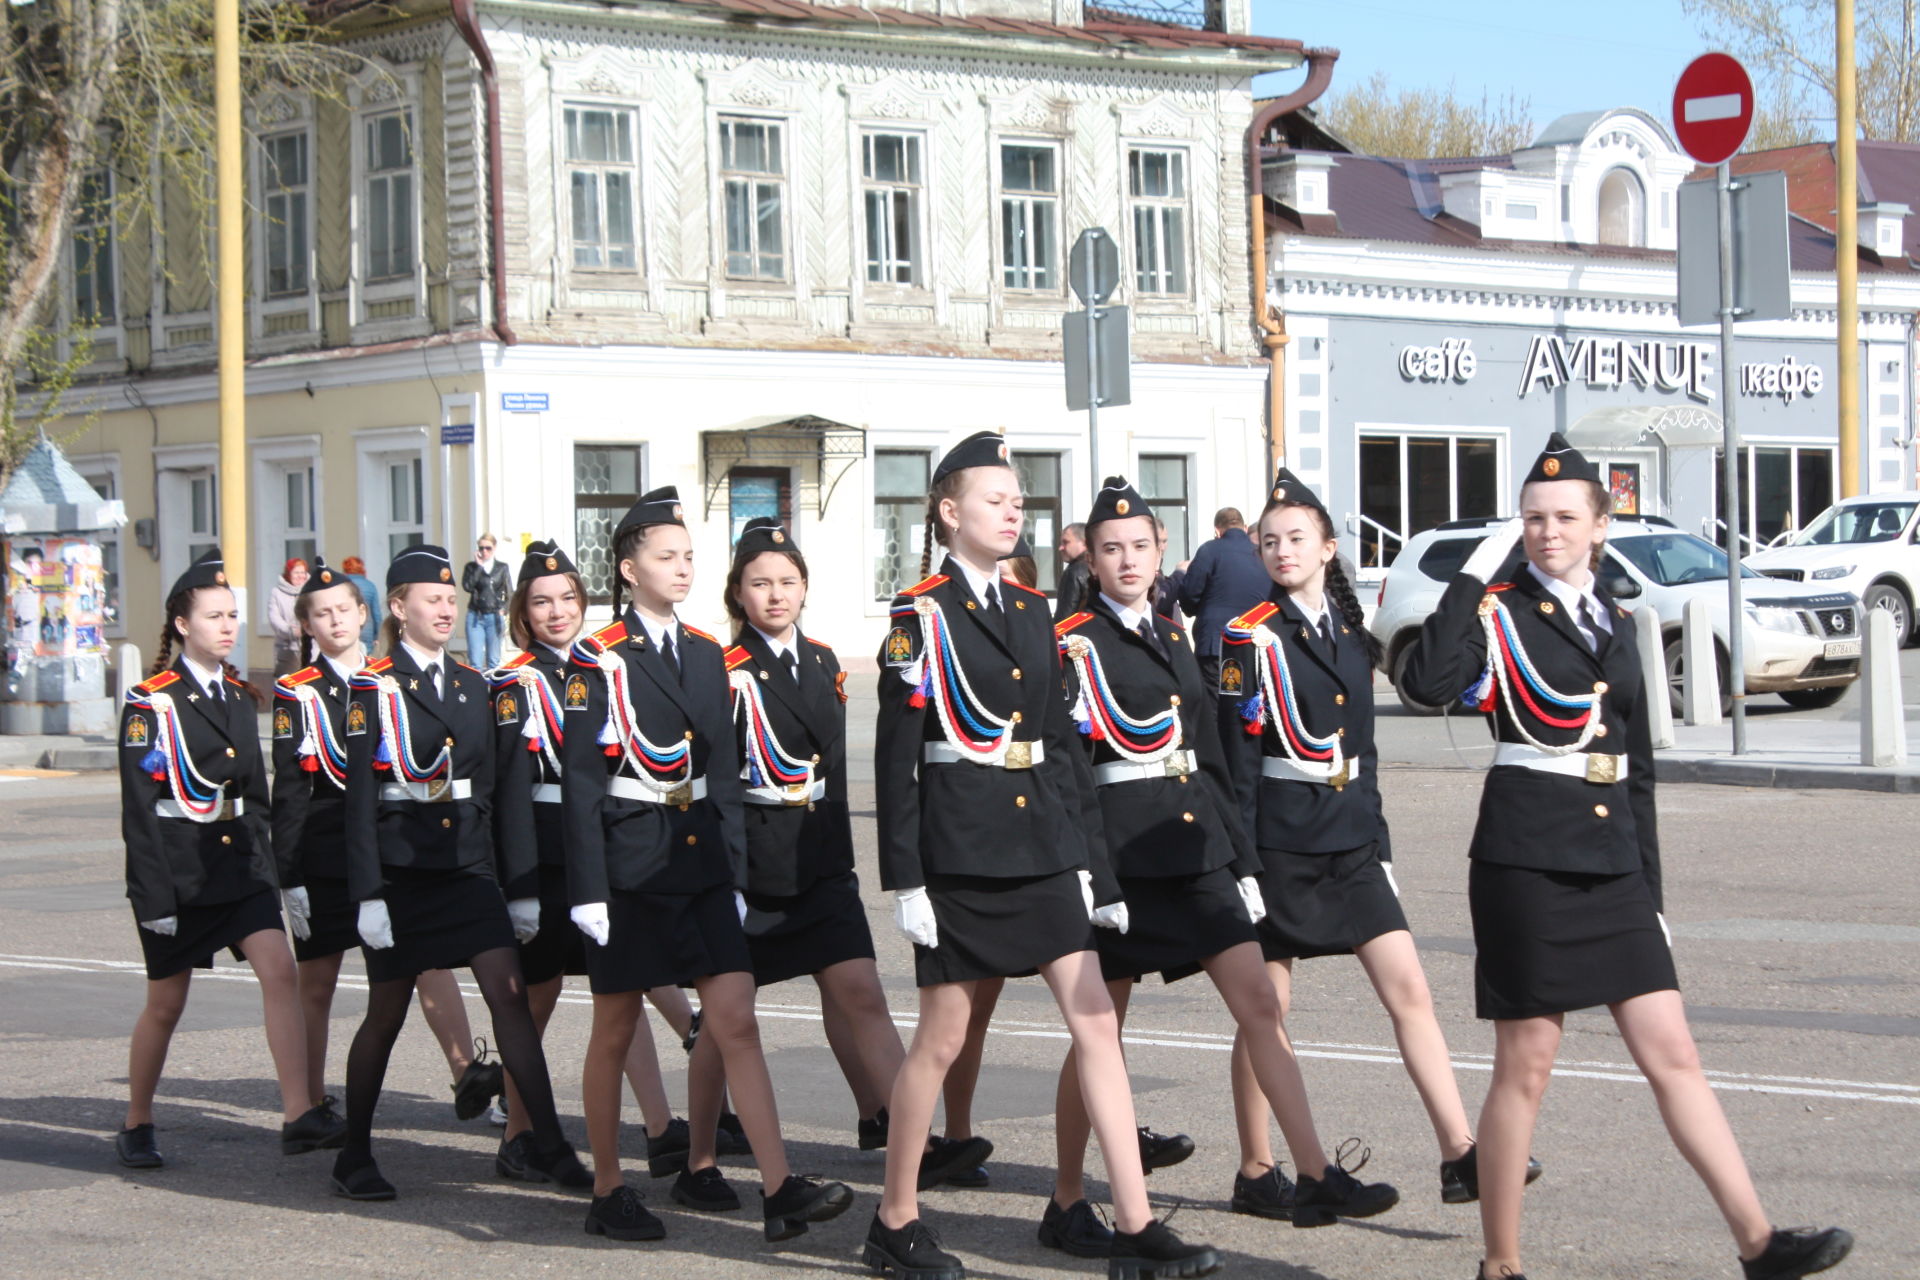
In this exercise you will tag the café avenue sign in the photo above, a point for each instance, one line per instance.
(1602, 363)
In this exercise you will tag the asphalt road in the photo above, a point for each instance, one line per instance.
(1799, 953)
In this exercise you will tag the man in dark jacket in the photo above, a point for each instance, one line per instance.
(1073, 575)
(488, 585)
(1224, 579)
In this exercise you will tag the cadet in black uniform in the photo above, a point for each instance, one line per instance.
(421, 863)
(990, 839)
(1183, 859)
(1565, 879)
(656, 853)
(193, 797)
(1297, 714)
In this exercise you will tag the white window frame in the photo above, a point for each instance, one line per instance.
(367, 292)
(90, 465)
(1190, 468)
(175, 467)
(272, 220)
(1160, 209)
(1750, 513)
(564, 168)
(102, 232)
(887, 258)
(1639, 220)
(1054, 202)
(374, 451)
(784, 178)
(272, 460)
(1502, 474)
(305, 303)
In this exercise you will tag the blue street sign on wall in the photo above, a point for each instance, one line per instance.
(523, 401)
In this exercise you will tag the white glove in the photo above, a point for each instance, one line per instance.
(1086, 891)
(913, 916)
(1255, 900)
(740, 905)
(1661, 916)
(165, 926)
(1391, 882)
(299, 912)
(1491, 554)
(525, 914)
(376, 926)
(591, 917)
(1113, 917)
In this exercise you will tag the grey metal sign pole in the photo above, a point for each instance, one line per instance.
(1090, 290)
(1730, 461)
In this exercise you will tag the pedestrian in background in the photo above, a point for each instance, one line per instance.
(280, 616)
(355, 571)
(488, 586)
(1073, 574)
(1223, 580)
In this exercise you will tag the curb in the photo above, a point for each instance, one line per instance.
(1723, 771)
(84, 758)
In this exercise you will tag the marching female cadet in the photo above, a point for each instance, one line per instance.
(309, 827)
(421, 868)
(1565, 880)
(543, 620)
(990, 839)
(1297, 677)
(655, 852)
(193, 797)
(1185, 866)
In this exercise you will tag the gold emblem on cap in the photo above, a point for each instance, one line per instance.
(1003, 451)
(220, 577)
(552, 563)
(1122, 506)
(326, 575)
(1279, 492)
(779, 536)
(676, 511)
(1551, 466)
(446, 575)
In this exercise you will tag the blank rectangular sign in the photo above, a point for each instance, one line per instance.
(1762, 288)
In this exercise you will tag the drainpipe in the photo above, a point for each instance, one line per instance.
(1273, 331)
(467, 20)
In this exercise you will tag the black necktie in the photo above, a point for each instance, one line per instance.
(666, 651)
(792, 664)
(1148, 634)
(1590, 623)
(1326, 633)
(995, 613)
(218, 693)
(433, 678)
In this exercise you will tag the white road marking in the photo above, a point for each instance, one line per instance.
(1138, 1037)
(1721, 106)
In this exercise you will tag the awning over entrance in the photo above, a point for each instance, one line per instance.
(821, 451)
(1676, 427)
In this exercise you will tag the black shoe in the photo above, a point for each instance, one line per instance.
(1336, 1193)
(705, 1190)
(1270, 1195)
(800, 1201)
(511, 1160)
(1155, 1253)
(693, 1031)
(361, 1182)
(1460, 1179)
(911, 1253)
(971, 1179)
(873, 1133)
(1800, 1251)
(621, 1216)
(478, 1085)
(319, 1127)
(730, 1138)
(1076, 1229)
(136, 1149)
(1162, 1150)
(1480, 1273)
(559, 1166)
(950, 1159)
(667, 1154)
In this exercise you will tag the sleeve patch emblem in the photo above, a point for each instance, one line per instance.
(356, 720)
(899, 647)
(506, 709)
(137, 730)
(576, 693)
(282, 722)
(1230, 676)
(840, 684)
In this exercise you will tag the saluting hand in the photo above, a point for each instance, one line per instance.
(591, 917)
(525, 914)
(1491, 554)
(375, 924)
(913, 916)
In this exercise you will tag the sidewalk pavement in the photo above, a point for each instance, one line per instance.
(1788, 751)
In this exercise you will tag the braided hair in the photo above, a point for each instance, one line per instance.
(1338, 587)
(951, 485)
(630, 541)
(179, 605)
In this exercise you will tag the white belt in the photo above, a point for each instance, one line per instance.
(783, 796)
(229, 810)
(546, 793)
(1177, 765)
(634, 789)
(1585, 765)
(1020, 755)
(1287, 771)
(437, 791)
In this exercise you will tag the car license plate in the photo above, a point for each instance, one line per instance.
(1843, 649)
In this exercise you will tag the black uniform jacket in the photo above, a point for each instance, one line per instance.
(451, 835)
(1334, 694)
(978, 820)
(1160, 826)
(791, 846)
(177, 862)
(309, 810)
(1543, 820)
(636, 845)
(518, 822)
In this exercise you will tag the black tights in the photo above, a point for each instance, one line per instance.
(498, 973)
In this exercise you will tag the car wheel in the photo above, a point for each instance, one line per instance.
(1894, 601)
(1676, 678)
(1398, 675)
(1813, 699)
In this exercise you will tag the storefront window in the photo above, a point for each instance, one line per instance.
(1409, 483)
(1782, 488)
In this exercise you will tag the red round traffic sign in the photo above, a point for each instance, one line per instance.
(1712, 107)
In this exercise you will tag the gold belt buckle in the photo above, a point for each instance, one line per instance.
(226, 812)
(1603, 769)
(797, 794)
(681, 795)
(439, 790)
(1019, 755)
(1341, 776)
(1177, 766)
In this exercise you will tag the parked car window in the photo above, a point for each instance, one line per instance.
(1676, 559)
(1857, 522)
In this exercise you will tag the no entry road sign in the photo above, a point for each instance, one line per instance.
(1712, 107)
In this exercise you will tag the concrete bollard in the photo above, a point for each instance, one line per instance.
(1883, 724)
(1700, 690)
(126, 670)
(1653, 674)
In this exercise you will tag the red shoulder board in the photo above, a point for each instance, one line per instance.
(379, 665)
(306, 675)
(1499, 586)
(822, 643)
(1067, 624)
(736, 656)
(1256, 615)
(464, 667)
(1014, 582)
(695, 631)
(520, 660)
(925, 585)
(609, 636)
(159, 682)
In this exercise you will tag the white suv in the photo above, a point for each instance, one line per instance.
(1801, 642)
(1868, 545)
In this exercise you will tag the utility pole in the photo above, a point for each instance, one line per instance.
(230, 277)
(1846, 246)
(1730, 464)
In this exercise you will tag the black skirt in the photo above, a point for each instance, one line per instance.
(441, 920)
(202, 931)
(667, 940)
(1173, 923)
(559, 948)
(994, 927)
(333, 927)
(1325, 904)
(817, 928)
(1553, 941)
